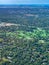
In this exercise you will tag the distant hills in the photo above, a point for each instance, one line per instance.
(22, 6)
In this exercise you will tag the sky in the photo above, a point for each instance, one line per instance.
(24, 1)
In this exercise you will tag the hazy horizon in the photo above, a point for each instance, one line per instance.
(17, 2)
(24, 4)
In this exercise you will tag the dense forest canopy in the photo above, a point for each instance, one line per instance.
(24, 35)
